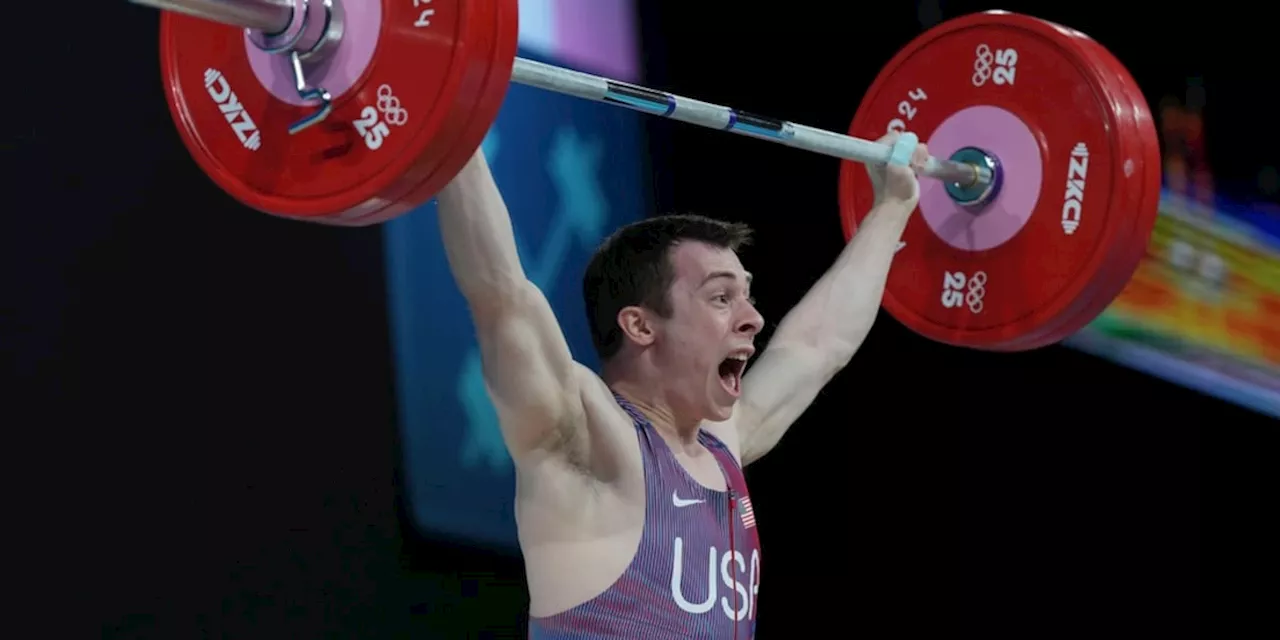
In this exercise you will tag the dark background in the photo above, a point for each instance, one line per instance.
(214, 386)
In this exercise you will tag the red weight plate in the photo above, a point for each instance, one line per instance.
(484, 112)
(1017, 87)
(1084, 307)
(1142, 198)
(487, 108)
(1138, 143)
(381, 136)
(1150, 162)
(480, 43)
(491, 89)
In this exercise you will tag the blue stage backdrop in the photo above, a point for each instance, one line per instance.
(571, 173)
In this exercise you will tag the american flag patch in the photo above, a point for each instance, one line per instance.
(747, 513)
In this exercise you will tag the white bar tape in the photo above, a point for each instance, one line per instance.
(903, 147)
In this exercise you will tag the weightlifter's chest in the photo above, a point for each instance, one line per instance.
(680, 524)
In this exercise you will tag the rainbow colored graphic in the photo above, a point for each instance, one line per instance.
(1203, 309)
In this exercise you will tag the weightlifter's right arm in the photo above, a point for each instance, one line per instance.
(528, 367)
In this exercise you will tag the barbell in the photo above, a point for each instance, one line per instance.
(1046, 174)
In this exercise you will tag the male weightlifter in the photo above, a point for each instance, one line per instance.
(634, 517)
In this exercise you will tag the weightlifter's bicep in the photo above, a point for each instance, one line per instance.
(529, 372)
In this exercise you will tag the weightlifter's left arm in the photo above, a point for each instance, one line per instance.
(819, 336)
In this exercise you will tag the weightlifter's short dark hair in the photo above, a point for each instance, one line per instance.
(633, 267)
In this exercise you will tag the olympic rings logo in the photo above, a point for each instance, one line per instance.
(976, 292)
(390, 107)
(982, 65)
(969, 291)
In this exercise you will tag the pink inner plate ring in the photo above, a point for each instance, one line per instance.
(340, 68)
(1006, 137)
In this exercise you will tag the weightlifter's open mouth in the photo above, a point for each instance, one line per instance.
(731, 369)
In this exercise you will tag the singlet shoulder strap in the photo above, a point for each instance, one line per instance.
(636, 416)
(710, 440)
(717, 446)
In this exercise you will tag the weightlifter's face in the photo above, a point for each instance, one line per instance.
(703, 346)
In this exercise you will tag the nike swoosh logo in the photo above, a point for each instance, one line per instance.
(681, 502)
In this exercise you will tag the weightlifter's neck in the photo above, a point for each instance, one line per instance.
(648, 398)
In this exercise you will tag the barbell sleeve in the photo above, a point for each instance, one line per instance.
(268, 16)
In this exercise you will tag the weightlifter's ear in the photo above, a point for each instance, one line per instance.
(636, 324)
